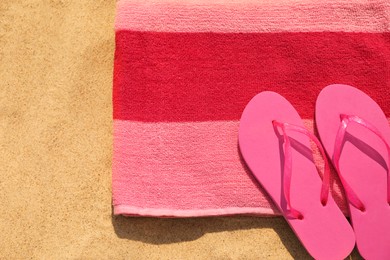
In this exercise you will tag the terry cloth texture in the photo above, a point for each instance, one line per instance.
(184, 72)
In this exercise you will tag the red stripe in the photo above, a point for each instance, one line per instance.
(211, 76)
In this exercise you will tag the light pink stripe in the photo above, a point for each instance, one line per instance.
(182, 169)
(186, 169)
(253, 16)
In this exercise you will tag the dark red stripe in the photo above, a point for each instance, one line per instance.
(211, 76)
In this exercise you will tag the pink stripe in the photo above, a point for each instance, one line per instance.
(253, 16)
(186, 169)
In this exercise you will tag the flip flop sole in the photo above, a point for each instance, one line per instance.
(324, 231)
(363, 163)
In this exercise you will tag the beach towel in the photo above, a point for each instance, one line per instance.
(184, 71)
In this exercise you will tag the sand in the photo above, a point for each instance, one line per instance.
(56, 61)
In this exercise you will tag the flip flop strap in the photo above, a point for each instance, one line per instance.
(345, 120)
(287, 171)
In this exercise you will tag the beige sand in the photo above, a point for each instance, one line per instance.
(55, 151)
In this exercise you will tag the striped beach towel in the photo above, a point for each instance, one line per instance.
(184, 71)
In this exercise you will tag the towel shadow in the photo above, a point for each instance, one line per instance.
(159, 231)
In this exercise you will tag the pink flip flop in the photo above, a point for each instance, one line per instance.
(356, 135)
(276, 147)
